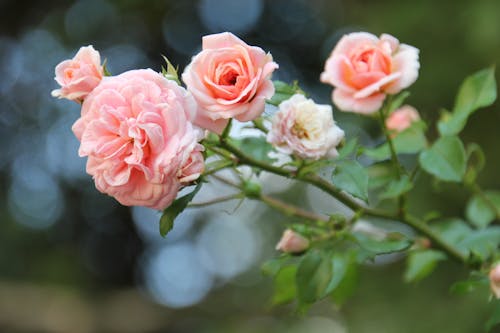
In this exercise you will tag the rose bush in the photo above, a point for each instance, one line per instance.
(80, 75)
(364, 69)
(229, 79)
(135, 129)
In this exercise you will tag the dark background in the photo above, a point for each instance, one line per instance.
(73, 260)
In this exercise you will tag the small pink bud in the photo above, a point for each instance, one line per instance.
(402, 118)
(495, 280)
(292, 242)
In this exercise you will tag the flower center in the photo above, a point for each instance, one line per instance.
(229, 78)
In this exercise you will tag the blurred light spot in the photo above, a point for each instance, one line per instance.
(229, 15)
(88, 19)
(174, 276)
(34, 199)
(11, 64)
(182, 31)
(147, 220)
(42, 51)
(62, 149)
(289, 20)
(124, 57)
(227, 246)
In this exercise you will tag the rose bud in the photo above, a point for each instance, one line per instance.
(495, 280)
(292, 242)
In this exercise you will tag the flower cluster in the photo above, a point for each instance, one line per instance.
(145, 137)
(141, 132)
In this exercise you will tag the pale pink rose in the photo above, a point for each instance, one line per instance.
(364, 69)
(495, 281)
(292, 242)
(305, 128)
(136, 130)
(229, 79)
(80, 75)
(402, 118)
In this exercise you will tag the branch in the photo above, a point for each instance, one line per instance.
(290, 210)
(216, 200)
(348, 201)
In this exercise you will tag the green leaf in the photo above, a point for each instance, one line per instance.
(381, 174)
(483, 209)
(410, 141)
(313, 276)
(283, 91)
(284, 285)
(467, 286)
(348, 148)
(398, 101)
(475, 163)
(351, 177)
(452, 231)
(170, 72)
(105, 70)
(349, 282)
(395, 242)
(445, 159)
(478, 90)
(272, 266)
(339, 269)
(255, 146)
(494, 318)
(397, 187)
(482, 243)
(313, 166)
(172, 211)
(421, 263)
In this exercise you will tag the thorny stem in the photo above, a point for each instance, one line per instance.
(322, 184)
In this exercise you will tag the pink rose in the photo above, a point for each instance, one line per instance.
(135, 129)
(305, 128)
(364, 68)
(402, 118)
(495, 281)
(229, 79)
(292, 242)
(80, 75)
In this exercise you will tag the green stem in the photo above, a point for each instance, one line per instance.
(259, 124)
(219, 167)
(248, 160)
(327, 187)
(424, 229)
(394, 157)
(216, 200)
(290, 210)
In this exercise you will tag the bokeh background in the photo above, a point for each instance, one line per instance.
(73, 260)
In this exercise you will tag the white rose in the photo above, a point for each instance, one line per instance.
(304, 128)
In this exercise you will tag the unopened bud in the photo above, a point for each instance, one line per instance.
(292, 242)
(495, 280)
